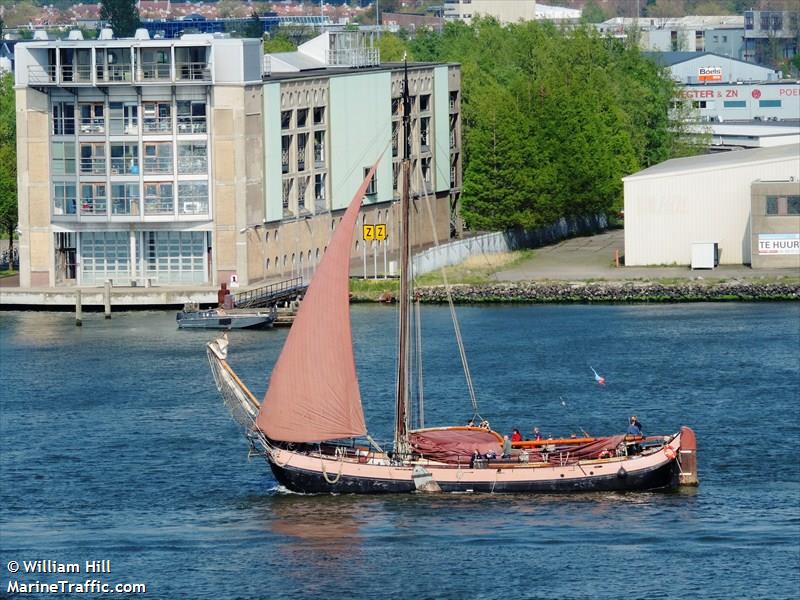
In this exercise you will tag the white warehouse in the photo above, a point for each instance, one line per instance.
(672, 205)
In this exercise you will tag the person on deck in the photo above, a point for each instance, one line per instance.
(635, 427)
(537, 435)
(516, 436)
(506, 447)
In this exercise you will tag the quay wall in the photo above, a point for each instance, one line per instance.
(54, 299)
(455, 252)
(612, 292)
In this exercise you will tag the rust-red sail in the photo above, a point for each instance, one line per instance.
(313, 392)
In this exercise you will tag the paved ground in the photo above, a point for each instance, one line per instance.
(592, 257)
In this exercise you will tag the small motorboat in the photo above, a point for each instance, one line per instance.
(219, 318)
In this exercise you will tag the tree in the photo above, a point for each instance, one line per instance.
(8, 158)
(253, 29)
(121, 15)
(392, 47)
(278, 43)
(592, 13)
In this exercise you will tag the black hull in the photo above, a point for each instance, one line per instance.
(663, 477)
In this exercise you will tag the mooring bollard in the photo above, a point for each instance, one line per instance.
(78, 308)
(107, 298)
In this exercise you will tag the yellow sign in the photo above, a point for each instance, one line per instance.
(374, 232)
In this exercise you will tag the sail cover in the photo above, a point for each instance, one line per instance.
(454, 445)
(313, 392)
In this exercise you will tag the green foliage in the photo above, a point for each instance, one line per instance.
(592, 13)
(278, 43)
(392, 47)
(121, 15)
(253, 29)
(8, 157)
(552, 118)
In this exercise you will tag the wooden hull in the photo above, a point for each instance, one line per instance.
(313, 474)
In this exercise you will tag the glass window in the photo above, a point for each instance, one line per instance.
(193, 198)
(793, 205)
(769, 103)
(319, 115)
(64, 200)
(123, 118)
(286, 144)
(424, 133)
(302, 187)
(125, 199)
(175, 256)
(734, 103)
(92, 118)
(319, 191)
(286, 119)
(124, 159)
(372, 188)
(62, 158)
(302, 117)
(425, 164)
(158, 158)
(158, 198)
(424, 102)
(157, 117)
(191, 116)
(319, 148)
(192, 158)
(93, 199)
(104, 255)
(93, 159)
(772, 205)
(302, 138)
(286, 196)
(63, 118)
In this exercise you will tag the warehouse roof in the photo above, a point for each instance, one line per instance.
(722, 160)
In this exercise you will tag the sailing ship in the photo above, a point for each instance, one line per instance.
(312, 432)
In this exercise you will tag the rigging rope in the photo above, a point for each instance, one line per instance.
(340, 453)
(456, 327)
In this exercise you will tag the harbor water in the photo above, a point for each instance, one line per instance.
(115, 445)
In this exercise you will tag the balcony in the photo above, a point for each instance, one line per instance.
(122, 73)
(93, 166)
(157, 124)
(94, 208)
(125, 207)
(153, 71)
(41, 74)
(193, 71)
(158, 165)
(155, 205)
(191, 125)
(93, 126)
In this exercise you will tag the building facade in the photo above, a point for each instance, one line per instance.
(709, 198)
(177, 162)
(775, 224)
(771, 36)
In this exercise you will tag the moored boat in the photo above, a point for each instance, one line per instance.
(218, 318)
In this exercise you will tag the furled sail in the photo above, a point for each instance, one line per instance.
(313, 392)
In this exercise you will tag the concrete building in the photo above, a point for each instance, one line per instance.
(670, 206)
(507, 11)
(751, 102)
(179, 162)
(719, 34)
(775, 224)
(770, 35)
(707, 67)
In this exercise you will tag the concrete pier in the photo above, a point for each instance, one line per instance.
(78, 308)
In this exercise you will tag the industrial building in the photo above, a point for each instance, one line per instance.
(194, 161)
(736, 200)
(507, 11)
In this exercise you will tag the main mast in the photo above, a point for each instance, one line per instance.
(402, 400)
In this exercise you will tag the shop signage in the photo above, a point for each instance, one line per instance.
(779, 243)
(709, 74)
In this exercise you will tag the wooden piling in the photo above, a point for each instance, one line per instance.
(107, 299)
(78, 308)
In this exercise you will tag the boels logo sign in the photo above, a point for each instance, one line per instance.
(709, 74)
